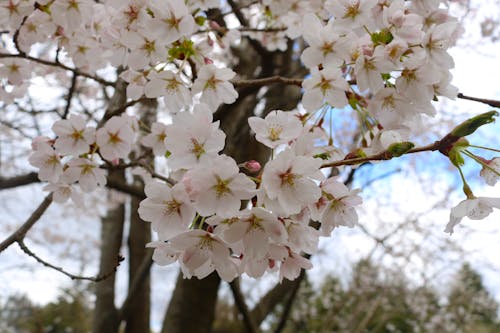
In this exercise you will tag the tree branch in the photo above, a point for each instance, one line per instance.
(19, 234)
(289, 303)
(97, 278)
(490, 102)
(21, 180)
(71, 92)
(239, 300)
(135, 284)
(58, 64)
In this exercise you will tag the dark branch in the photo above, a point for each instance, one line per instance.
(490, 102)
(71, 92)
(142, 273)
(289, 303)
(239, 300)
(58, 64)
(19, 234)
(97, 278)
(21, 180)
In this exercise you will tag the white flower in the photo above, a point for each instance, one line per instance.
(201, 253)
(368, 69)
(157, 139)
(169, 209)
(193, 138)
(168, 85)
(489, 176)
(163, 253)
(115, 138)
(326, 47)
(87, 173)
(214, 85)
(292, 265)
(15, 70)
(256, 229)
(47, 160)
(73, 135)
(220, 187)
(326, 85)
(290, 180)
(336, 206)
(171, 20)
(351, 14)
(475, 209)
(277, 128)
(62, 192)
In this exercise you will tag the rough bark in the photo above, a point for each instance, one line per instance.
(137, 316)
(192, 307)
(106, 318)
(105, 313)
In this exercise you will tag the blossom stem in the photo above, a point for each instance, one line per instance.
(485, 148)
(480, 161)
(466, 188)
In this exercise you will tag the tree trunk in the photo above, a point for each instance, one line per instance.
(105, 314)
(192, 307)
(138, 314)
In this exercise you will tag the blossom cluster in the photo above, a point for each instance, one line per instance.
(387, 60)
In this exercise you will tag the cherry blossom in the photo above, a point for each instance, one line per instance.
(73, 135)
(474, 208)
(290, 180)
(277, 128)
(201, 253)
(220, 187)
(214, 86)
(157, 139)
(193, 138)
(323, 86)
(169, 209)
(48, 161)
(115, 138)
(490, 171)
(87, 173)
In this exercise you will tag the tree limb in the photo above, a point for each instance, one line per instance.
(19, 234)
(142, 274)
(97, 278)
(239, 300)
(289, 303)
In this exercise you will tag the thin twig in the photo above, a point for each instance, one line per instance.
(71, 92)
(97, 278)
(19, 234)
(57, 64)
(490, 102)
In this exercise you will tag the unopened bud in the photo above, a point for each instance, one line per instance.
(400, 148)
(471, 125)
(252, 166)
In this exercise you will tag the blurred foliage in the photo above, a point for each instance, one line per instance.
(69, 313)
(380, 300)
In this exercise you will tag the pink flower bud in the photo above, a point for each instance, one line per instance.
(208, 61)
(213, 25)
(115, 161)
(252, 166)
